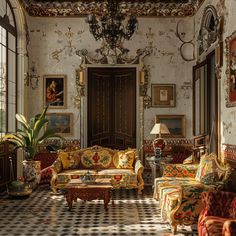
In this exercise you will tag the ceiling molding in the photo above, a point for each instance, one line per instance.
(81, 8)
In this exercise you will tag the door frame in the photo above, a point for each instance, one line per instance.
(139, 105)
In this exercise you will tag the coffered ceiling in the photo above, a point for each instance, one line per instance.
(141, 8)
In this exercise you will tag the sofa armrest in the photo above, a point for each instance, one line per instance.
(179, 170)
(56, 168)
(138, 168)
(229, 227)
(217, 203)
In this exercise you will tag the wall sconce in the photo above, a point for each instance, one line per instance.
(143, 86)
(143, 80)
(80, 84)
(31, 77)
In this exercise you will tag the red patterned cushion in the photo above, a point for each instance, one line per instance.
(218, 203)
(232, 210)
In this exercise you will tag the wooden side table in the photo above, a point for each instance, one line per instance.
(88, 192)
(156, 165)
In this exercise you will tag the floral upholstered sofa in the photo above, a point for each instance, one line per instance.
(179, 189)
(123, 168)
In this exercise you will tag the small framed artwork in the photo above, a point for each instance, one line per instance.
(175, 124)
(62, 123)
(163, 95)
(231, 70)
(54, 91)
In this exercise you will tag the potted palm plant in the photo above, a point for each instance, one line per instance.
(28, 138)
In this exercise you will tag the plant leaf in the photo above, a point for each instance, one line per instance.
(22, 120)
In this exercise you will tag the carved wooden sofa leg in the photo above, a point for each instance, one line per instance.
(173, 228)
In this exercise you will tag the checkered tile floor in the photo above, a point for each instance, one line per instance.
(44, 213)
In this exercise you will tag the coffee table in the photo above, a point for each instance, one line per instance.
(100, 189)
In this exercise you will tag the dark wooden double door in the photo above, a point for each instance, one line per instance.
(112, 107)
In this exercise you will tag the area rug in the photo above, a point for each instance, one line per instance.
(45, 213)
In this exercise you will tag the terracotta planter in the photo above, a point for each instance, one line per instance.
(32, 171)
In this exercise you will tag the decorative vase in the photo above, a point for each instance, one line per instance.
(32, 171)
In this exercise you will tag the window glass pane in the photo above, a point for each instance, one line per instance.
(11, 66)
(2, 119)
(3, 37)
(11, 42)
(7, 71)
(11, 115)
(9, 13)
(3, 89)
(2, 8)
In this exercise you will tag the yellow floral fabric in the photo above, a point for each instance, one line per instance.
(179, 170)
(207, 170)
(96, 159)
(125, 159)
(188, 160)
(70, 160)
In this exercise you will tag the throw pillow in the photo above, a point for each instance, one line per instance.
(207, 169)
(70, 160)
(126, 159)
(188, 160)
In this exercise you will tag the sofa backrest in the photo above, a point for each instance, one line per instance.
(97, 157)
(209, 171)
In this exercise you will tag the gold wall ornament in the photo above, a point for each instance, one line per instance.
(144, 75)
(211, 30)
(31, 77)
(80, 85)
(117, 56)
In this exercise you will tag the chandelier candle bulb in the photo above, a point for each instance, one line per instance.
(81, 77)
(142, 77)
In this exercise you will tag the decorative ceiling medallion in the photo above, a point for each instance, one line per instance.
(151, 8)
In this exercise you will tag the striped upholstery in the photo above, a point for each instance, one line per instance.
(217, 217)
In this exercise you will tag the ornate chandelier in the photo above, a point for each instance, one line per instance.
(110, 29)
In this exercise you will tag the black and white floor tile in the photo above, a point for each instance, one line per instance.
(44, 213)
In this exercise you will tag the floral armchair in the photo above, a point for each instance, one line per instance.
(179, 189)
(219, 214)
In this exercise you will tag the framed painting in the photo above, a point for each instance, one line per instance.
(163, 95)
(175, 124)
(54, 92)
(62, 123)
(231, 70)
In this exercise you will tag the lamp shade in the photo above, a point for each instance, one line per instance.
(160, 128)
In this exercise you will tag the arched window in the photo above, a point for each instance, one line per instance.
(8, 68)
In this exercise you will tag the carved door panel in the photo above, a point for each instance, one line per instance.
(112, 107)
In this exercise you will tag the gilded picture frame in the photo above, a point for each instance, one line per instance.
(231, 70)
(62, 123)
(163, 95)
(55, 91)
(175, 123)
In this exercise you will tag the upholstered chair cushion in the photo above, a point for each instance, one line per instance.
(219, 203)
(188, 160)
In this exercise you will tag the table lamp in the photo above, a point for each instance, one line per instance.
(159, 143)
